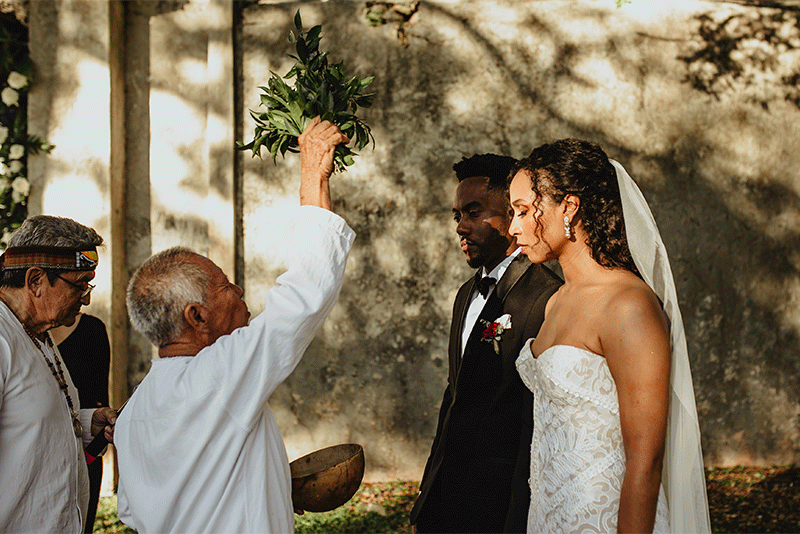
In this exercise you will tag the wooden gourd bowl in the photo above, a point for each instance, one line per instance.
(327, 478)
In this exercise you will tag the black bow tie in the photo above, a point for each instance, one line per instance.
(484, 284)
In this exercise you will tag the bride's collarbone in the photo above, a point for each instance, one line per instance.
(574, 326)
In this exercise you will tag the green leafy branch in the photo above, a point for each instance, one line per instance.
(319, 89)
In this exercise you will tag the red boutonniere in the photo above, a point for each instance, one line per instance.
(494, 330)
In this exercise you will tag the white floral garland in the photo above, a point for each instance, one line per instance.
(11, 169)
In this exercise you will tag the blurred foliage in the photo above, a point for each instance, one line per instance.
(15, 141)
(404, 14)
(319, 88)
(375, 508)
(754, 52)
(106, 519)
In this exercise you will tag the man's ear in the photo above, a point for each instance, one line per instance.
(35, 278)
(196, 316)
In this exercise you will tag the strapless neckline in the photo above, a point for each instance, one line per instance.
(552, 348)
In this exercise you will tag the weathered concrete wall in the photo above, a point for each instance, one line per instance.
(505, 76)
(462, 77)
(69, 106)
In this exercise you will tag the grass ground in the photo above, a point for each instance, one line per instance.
(741, 500)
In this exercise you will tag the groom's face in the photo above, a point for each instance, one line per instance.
(482, 216)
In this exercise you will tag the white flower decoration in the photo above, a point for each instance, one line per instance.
(10, 97)
(20, 188)
(16, 151)
(504, 321)
(3, 134)
(15, 166)
(4, 170)
(17, 80)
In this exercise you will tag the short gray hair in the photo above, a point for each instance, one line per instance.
(160, 290)
(51, 231)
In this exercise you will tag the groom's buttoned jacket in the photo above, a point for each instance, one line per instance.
(476, 477)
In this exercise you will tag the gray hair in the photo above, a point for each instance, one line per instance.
(160, 290)
(51, 231)
(48, 231)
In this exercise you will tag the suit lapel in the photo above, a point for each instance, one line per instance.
(493, 308)
(457, 328)
(512, 275)
(491, 311)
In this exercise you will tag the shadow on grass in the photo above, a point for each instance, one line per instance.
(741, 499)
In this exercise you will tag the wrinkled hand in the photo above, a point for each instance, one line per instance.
(317, 144)
(103, 420)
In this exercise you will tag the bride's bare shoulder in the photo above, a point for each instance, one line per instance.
(629, 297)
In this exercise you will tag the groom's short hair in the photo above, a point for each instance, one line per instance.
(492, 166)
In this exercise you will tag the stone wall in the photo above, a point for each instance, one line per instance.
(451, 79)
(505, 76)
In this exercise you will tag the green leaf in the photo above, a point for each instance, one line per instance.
(312, 87)
(313, 37)
(298, 22)
(302, 51)
(366, 82)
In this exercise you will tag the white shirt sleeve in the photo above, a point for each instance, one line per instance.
(252, 361)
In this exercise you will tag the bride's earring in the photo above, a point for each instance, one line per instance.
(566, 227)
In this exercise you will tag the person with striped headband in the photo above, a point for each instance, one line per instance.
(45, 276)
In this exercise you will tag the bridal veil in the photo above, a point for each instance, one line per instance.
(683, 476)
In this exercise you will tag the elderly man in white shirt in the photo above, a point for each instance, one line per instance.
(199, 449)
(45, 279)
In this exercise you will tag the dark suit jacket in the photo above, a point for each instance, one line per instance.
(476, 478)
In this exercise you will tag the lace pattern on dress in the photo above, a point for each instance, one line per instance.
(577, 455)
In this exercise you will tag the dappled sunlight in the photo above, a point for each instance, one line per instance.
(85, 114)
(179, 161)
(76, 196)
(648, 11)
(192, 70)
(203, 15)
(464, 99)
(187, 132)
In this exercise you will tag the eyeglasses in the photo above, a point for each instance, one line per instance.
(84, 290)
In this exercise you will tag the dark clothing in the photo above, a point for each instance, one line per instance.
(87, 355)
(476, 477)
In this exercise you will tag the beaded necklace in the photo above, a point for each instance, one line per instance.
(58, 373)
(57, 370)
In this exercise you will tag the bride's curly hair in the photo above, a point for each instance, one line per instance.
(581, 168)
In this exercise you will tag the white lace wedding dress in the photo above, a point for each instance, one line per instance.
(577, 457)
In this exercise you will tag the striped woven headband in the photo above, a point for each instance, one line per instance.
(65, 258)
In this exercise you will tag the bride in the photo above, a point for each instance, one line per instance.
(616, 443)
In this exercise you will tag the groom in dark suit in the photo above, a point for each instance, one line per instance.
(476, 477)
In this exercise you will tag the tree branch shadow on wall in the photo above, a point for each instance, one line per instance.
(744, 354)
(744, 351)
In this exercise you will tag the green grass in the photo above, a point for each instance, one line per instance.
(741, 499)
(106, 519)
(375, 508)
